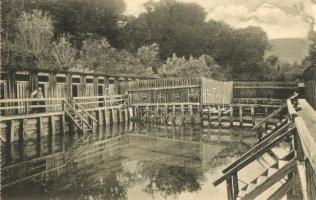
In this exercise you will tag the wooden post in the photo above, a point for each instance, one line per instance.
(52, 134)
(253, 116)
(298, 147)
(22, 137)
(39, 150)
(9, 141)
(240, 116)
(231, 116)
(126, 115)
(230, 194)
(190, 109)
(219, 112)
(99, 117)
(116, 85)
(126, 84)
(11, 132)
(235, 185)
(147, 112)
(266, 114)
(111, 116)
(104, 116)
(63, 124)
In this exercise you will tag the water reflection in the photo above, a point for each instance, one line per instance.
(124, 160)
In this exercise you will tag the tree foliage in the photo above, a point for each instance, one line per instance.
(101, 38)
(180, 66)
(63, 54)
(309, 63)
(34, 32)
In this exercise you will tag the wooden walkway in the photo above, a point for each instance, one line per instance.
(308, 114)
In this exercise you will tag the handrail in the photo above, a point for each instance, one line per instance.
(29, 100)
(250, 159)
(257, 147)
(95, 97)
(84, 110)
(82, 117)
(269, 116)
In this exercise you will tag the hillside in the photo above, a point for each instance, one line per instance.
(289, 49)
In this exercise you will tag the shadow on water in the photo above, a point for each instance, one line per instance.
(130, 161)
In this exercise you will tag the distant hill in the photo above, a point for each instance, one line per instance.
(289, 49)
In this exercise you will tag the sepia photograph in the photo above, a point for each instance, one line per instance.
(158, 100)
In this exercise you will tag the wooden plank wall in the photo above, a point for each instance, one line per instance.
(165, 82)
(217, 92)
(310, 92)
(165, 90)
(20, 84)
(263, 89)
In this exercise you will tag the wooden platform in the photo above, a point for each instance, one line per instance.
(308, 114)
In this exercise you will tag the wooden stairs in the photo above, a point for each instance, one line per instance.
(278, 173)
(79, 116)
(275, 173)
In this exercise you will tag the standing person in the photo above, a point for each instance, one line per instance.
(39, 95)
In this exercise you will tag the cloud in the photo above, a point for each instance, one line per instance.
(277, 17)
(276, 22)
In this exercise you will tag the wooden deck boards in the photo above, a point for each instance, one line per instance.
(308, 114)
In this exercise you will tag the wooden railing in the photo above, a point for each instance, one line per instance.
(305, 122)
(30, 105)
(253, 154)
(277, 111)
(100, 101)
(34, 105)
(77, 106)
(68, 107)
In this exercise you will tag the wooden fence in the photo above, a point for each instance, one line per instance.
(207, 91)
(263, 90)
(165, 90)
(310, 92)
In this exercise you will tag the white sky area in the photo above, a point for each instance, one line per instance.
(279, 18)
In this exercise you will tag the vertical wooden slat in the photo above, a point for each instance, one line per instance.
(39, 146)
(230, 194)
(52, 133)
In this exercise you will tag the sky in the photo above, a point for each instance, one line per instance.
(279, 18)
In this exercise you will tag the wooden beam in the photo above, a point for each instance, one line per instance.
(240, 116)
(301, 169)
(32, 116)
(282, 191)
(230, 193)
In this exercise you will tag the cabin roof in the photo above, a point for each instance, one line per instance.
(77, 73)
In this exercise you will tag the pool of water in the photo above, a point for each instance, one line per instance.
(141, 162)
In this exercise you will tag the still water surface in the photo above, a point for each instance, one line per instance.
(142, 162)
